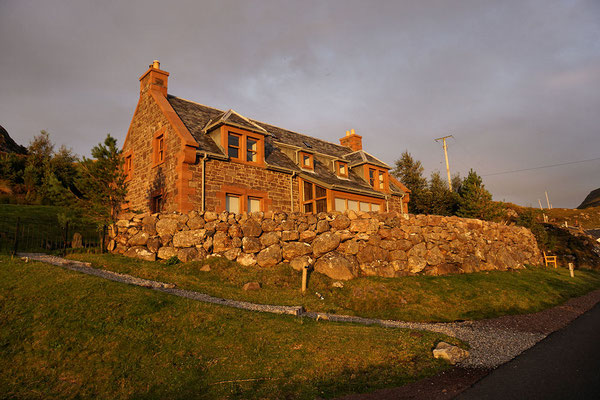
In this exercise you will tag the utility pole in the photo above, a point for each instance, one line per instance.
(443, 139)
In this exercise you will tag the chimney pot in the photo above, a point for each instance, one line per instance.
(156, 64)
(352, 132)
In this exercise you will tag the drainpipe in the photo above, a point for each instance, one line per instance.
(387, 203)
(292, 191)
(402, 203)
(203, 178)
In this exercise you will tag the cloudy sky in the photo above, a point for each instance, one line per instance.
(516, 82)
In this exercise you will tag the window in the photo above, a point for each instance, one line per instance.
(342, 169)
(314, 199)
(156, 204)
(253, 204)
(342, 204)
(158, 147)
(306, 160)
(232, 203)
(377, 178)
(242, 146)
(238, 200)
(128, 167)
(372, 177)
(251, 150)
(233, 145)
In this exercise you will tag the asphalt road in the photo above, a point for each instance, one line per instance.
(565, 365)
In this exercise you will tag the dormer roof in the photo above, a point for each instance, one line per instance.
(233, 118)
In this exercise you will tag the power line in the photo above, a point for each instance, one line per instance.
(543, 166)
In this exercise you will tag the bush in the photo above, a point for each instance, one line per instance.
(172, 261)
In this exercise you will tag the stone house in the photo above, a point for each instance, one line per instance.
(184, 156)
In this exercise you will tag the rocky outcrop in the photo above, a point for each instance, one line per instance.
(339, 245)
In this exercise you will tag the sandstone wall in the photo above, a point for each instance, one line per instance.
(342, 246)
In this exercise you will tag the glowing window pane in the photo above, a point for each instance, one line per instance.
(353, 205)
(340, 204)
(253, 204)
(232, 203)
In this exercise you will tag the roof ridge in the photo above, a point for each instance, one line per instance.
(264, 123)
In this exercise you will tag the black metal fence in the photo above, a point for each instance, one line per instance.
(36, 237)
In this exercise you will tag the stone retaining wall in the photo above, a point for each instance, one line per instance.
(342, 246)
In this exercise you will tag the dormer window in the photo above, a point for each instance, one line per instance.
(342, 169)
(307, 161)
(377, 178)
(243, 146)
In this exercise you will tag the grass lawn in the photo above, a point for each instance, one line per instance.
(418, 298)
(69, 335)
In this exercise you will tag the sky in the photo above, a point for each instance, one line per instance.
(516, 82)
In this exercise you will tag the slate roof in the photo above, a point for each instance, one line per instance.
(197, 118)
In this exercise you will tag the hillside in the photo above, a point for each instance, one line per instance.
(8, 145)
(592, 200)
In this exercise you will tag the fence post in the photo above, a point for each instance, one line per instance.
(16, 244)
(66, 237)
(102, 239)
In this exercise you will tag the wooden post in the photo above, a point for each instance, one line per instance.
(304, 277)
(16, 243)
(66, 237)
(572, 270)
(443, 139)
(102, 244)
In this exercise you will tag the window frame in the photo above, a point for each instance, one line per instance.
(243, 145)
(311, 160)
(380, 179)
(158, 153)
(128, 165)
(313, 200)
(339, 165)
(347, 197)
(244, 195)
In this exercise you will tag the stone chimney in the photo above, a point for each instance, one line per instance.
(154, 79)
(352, 140)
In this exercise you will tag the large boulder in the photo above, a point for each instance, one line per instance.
(292, 250)
(166, 226)
(164, 253)
(269, 257)
(269, 238)
(340, 222)
(221, 242)
(189, 238)
(140, 252)
(337, 266)
(325, 243)
(251, 245)
(252, 228)
(139, 240)
(246, 259)
(450, 353)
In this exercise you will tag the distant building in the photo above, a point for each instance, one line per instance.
(183, 156)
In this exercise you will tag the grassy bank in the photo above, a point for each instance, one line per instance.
(69, 335)
(418, 298)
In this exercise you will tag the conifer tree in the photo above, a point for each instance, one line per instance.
(475, 201)
(410, 173)
(102, 182)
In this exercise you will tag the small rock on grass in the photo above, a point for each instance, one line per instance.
(205, 268)
(338, 284)
(251, 286)
(450, 353)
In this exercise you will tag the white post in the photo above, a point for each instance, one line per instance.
(571, 270)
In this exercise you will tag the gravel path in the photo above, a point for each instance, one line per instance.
(492, 342)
